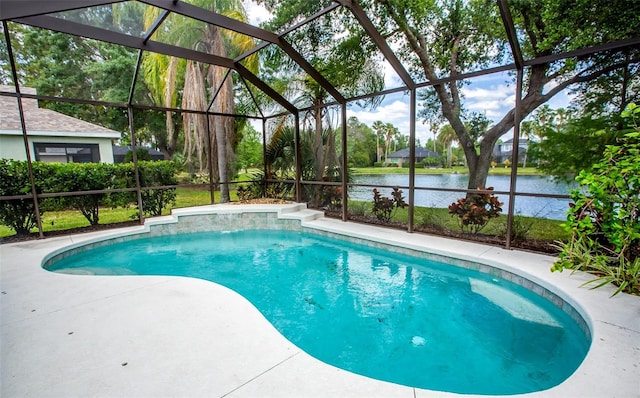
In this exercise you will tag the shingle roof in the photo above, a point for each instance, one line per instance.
(40, 121)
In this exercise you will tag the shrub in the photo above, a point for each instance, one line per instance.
(259, 188)
(383, 207)
(20, 214)
(158, 173)
(76, 177)
(604, 218)
(474, 211)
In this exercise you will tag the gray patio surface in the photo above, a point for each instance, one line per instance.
(156, 336)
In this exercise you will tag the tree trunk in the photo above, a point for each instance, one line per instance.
(224, 128)
(221, 142)
(318, 148)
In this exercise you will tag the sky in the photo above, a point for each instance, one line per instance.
(492, 95)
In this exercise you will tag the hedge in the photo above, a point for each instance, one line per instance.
(19, 214)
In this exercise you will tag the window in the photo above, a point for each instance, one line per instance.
(67, 153)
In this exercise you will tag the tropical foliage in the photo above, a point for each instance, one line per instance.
(384, 208)
(604, 218)
(475, 210)
(445, 39)
(167, 77)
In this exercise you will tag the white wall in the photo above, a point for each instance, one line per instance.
(12, 146)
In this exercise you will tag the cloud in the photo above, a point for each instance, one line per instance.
(394, 111)
(256, 13)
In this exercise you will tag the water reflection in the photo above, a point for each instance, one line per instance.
(528, 206)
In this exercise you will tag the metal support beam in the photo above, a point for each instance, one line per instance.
(23, 127)
(91, 32)
(134, 80)
(212, 189)
(311, 71)
(253, 98)
(248, 75)
(156, 25)
(132, 130)
(264, 155)
(514, 157)
(507, 21)
(297, 147)
(412, 158)
(345, 169)
(377, 38)
(612, 46)
(215, 95)
(265, 44)
(213, 18)
(11, 9)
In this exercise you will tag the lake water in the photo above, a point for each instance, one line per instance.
(551, 208)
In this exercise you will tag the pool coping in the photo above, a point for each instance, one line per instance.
(39, 309)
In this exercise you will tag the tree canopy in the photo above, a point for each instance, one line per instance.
(445, 39)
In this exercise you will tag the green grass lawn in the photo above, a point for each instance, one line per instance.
(67, 219)
(538, 228)
(198, 196)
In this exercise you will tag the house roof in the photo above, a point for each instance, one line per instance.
(44, 122)
(420, 153)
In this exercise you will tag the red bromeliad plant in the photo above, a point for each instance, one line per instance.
(383, 206)
(475, 211)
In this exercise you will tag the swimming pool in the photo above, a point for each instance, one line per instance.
(386, 315)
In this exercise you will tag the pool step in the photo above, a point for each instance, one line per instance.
(301, 213)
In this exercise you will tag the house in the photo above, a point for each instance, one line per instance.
(504, 151)
(119, 153)
(52, 136)
(402, 156)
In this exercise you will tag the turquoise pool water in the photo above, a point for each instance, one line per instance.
(384, 315)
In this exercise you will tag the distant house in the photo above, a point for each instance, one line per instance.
(52, 136)
(504, 151)
(402, 156)
(119, 153)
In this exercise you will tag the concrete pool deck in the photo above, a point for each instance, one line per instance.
(155, 336)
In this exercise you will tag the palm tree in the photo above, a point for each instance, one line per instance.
(389, 132)
(378, 127)
(446, 137)
(165, 74)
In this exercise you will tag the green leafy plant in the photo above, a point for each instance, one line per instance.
(244, 193)
(20, 214)
(76, 177)
(158, 174)
(475, 211)
(260, 187)
(519, 228)
(358, 208)
(383, 207)
(433, 220)
(604, 218)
